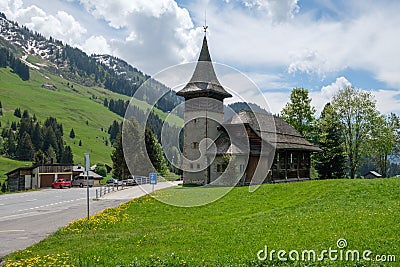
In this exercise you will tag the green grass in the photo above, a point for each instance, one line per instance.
(229, 232)
(70, 108)
(73, 107)
(7, 165)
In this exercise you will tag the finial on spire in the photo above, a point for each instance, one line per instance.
(205, 27)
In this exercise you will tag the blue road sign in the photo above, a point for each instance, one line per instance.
(153, 178)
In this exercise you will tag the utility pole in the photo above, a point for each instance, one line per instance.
(87, 168)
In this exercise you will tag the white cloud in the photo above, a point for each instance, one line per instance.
(387, 101)
(277, 10)
(158, 33)
(328, 91)
(62, 25)
(364, 41)
(265, 39)
(96, 45)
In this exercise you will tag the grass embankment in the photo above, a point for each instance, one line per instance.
(229, 232)
(73, 105)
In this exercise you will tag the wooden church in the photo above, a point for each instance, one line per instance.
(248, 148)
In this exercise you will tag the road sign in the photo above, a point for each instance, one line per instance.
(153, 178)
(87, 169)
(87, 162)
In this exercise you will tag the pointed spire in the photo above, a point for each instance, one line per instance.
(204, 81)
(204, 53)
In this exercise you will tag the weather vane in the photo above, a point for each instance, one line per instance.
(205, 27)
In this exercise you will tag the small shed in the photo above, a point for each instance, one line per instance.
(372, 175)
(38, 176)
(20, 179)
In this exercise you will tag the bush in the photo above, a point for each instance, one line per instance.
(101, 169)
(3, 187)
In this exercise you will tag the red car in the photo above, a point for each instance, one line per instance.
(60, 183)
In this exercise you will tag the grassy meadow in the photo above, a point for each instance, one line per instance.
(310, 215)
(74, 105)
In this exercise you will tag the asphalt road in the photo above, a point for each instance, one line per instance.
(27, 218)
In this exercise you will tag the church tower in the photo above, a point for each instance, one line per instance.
(204, 112)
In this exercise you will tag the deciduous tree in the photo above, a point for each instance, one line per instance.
(356, 110)
(384, 141)
(299, 113)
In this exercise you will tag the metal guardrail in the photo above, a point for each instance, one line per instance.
(108, 189)
(138, 180)
(142, 180)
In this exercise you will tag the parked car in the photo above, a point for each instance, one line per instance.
(130, 181)
(61, 183)
(113, 181)
(81, 181)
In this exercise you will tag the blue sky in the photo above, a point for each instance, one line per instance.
(321, 45)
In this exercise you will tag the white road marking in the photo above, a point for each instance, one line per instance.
(16, 215)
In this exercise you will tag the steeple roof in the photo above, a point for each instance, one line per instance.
(204, 81)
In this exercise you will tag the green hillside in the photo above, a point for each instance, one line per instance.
(73, 105)
(302, 216)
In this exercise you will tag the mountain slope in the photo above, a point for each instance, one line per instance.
(67, 84)
(73, 64)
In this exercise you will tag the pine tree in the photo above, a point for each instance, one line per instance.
(120, 169)
(38, 158)
(68, 157)
(25, 115)
(331, 163)
(25, 148)
(14, 126)
(132, 151)
(10, 146)
(17, 112)
(155, 152)
(80, 143)
(51, 155)
(72, 133)
(114, 130)
(36, 136)
(49, 138)
(60, 150)
(25, 126)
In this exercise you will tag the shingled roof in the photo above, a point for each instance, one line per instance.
(204, 81)
(274, 130)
